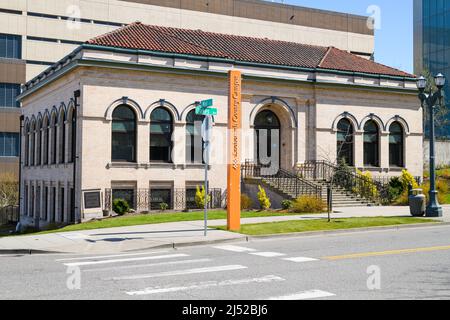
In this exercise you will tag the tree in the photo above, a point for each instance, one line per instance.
(9, 190)
(442, 113)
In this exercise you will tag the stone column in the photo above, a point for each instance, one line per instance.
(384, 150)
(359, 149)
(179, 144)
(143, 142)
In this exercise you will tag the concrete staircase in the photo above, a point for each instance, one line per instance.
(312, 179)
(341, 197)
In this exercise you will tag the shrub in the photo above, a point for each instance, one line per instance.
(441, 186)
(120, 206)
(286, 204)
(308, 204)
(9, 190)
(246, 202)
(263, 199)
(366, 187)
(200, 197)
(164, 206)
(395, 188)
(407, 179)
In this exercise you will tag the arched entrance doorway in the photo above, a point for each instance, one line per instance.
(268, 140)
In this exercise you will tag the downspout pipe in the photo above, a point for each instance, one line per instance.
(22, 118)
(75, 207)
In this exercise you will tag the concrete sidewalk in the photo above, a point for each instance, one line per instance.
(175, 234)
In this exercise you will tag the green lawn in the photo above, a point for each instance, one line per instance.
(143, 219)
(323, 224)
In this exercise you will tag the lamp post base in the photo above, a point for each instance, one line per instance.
(434, 212)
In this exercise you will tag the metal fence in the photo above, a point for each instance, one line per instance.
(9, 215)
(145, 200)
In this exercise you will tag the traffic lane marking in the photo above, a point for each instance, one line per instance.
(205, 285)
(181, 272)
(386, 253)
(88, 263)
(305, 295)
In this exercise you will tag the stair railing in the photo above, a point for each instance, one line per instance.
(282, 180)
(350, 181)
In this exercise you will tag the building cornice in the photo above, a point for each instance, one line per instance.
(77, 58)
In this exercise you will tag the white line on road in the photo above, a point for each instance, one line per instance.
(313, 294)
(268, 254)
(300, 259)
(168, 263)
(112, 256)
(87, 263)
(181, 272)
(205, 285)
(235, 248)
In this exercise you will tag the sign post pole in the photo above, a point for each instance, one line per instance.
(234, 151)
(206, 135)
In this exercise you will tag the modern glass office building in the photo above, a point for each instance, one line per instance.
(432, 42)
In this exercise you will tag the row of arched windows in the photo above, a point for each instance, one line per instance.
(49, 140)
(124, 137)
(345, 143)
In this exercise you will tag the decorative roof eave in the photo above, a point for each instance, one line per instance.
(75, 59)
(244, 63)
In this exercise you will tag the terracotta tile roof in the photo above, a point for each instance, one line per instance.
(245, 49)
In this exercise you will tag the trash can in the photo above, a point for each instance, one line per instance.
(417, 203)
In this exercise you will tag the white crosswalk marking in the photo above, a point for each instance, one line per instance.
(168, 263)
(112, 256)
(181, 272)
(268, 254)
(234, 248)
(300, 259)
(205, 285)
(87, 263)
(313, 294)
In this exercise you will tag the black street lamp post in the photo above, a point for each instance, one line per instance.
(430, 99)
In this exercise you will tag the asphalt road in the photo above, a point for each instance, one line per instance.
(394, 264)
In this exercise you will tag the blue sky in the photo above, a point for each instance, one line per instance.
(394, 40)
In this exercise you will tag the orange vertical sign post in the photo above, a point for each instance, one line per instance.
(234, 151)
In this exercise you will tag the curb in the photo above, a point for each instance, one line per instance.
(175, 245)
(244, 238)
(344, 231)
(27, 252)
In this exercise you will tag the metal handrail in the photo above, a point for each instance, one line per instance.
(350, 181)
(282, 180)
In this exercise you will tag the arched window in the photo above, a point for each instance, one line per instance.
(267, 130)
(62, 137)
(46, 140)
(54, 138)
(32, 143)
(396, 145)
(371, 144)
(194, 141)
(345, 140)
(161, 129)
(123, 144)
(38, 142)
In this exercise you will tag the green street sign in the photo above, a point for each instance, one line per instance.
(205, 111)
(206, 103)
